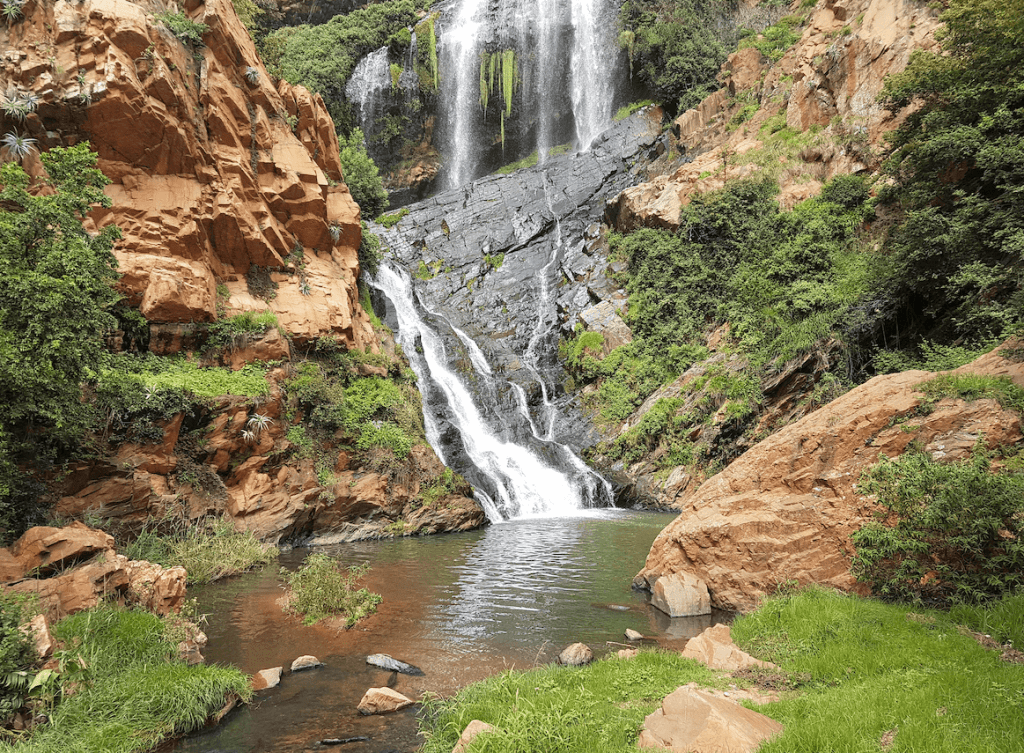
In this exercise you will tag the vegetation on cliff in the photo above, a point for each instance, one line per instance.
(55, 304)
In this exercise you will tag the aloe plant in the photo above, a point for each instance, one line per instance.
(17, 146)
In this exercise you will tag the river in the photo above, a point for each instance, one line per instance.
(459, 606)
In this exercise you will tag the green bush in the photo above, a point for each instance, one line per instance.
(774, 41)
(183, 27)
(17, 653)
(676, 47)
(959, 530)
(362, 176)
(390, 220)
(234, 331)
(322, 588)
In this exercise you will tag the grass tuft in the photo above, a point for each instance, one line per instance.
(322, 588)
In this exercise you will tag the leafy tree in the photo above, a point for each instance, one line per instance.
(958, 162)
(677, 47)
(55, 299)
(361, 175)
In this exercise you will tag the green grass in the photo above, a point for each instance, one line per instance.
(591, 709)
(528, 161)
(188, 376)
(322, 588)
(878, 667)
(976, 387)
(393, 218)
(1002, 619)
(208, 550)
(626, 110)
(131, 695)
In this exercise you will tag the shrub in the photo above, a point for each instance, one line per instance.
(958, 531)
(361, 175)
(322, 588)
(16, 653)
(183, 27)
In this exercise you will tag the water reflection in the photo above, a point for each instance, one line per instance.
(460, 606)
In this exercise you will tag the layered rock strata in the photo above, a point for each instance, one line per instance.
(785, 510)
(227, 187)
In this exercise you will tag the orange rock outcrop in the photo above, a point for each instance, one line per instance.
(217, 172)
(785, 510)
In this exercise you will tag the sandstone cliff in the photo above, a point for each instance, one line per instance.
(785, 510)
(829, 80)
(218, 177)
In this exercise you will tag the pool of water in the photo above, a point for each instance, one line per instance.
(459, 606)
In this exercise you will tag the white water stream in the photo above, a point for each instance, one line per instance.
(523, 484)
(368, 88)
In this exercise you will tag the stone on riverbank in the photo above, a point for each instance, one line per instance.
(473, 729)
(382, 701)
(714, 647)
(633, 635)
(576, 655)
(681, 595)
(695, 721)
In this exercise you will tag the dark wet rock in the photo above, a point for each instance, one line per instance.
(383, 661)
(477, 253)
(344, 740)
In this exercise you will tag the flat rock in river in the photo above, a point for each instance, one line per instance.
(392, 665)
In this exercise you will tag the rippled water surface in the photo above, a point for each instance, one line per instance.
(459, 606)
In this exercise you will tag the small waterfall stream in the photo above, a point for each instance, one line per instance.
(515, 469)
(368, 87)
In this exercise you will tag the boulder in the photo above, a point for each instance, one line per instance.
(785, 509)
(633, 635)
(306, 662)
(697, 722)
(714, 647)
(155, 588)
(382, 701)
(681, 595)
(473, 729)
(43, 549)
(576, 655)
(80, 588)
(267, 678)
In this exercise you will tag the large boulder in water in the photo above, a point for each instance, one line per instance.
(382, 701)
(681, 595)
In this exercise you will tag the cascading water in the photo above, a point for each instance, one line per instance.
(515, 472)
(368, 87)
(559, 56)
(592, 75)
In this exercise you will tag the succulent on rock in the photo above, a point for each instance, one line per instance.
(252, 75)
(11, 10)
(17, 146)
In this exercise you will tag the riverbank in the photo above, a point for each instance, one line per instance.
(854, 675)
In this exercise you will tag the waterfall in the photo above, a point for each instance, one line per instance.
(592, 70)
(460, 60)
(516, 471)
(566, 62)
(368, 87)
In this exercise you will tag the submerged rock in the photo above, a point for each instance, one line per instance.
(393, 665)
(382, 701)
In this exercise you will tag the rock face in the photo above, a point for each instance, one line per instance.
(697, 722)
(264, 487)
(681, 595)
(219, 177)
(382, 701)
(785, 509)
(714, 647)
(830, 78)
(91, 570)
